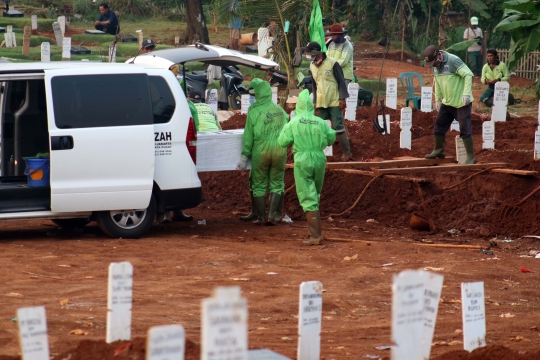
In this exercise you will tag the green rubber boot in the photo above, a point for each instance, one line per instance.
(253, 214)
(275, 199)
(314, 223)
(438, 152)
(278, 215)
(470, 150)
(260, 209)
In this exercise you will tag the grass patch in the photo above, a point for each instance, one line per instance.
(20, 23)
(371, 85)
(88, 38)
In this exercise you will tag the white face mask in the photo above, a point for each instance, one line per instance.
(309, 57)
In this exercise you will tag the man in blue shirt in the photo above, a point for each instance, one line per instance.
(107, 21)
(235, 23)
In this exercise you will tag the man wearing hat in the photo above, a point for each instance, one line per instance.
(453, 93)
(147, 46)
(474, 52)
(329, 92)
(208, 120)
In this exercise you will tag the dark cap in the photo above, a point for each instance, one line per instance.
(148, 43)
(194, 95)
(430, 54)
(313, 48)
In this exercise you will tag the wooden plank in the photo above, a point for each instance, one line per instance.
(452, 246)
(372, 174)
(516, 172)
(385, 164)
(441, 168)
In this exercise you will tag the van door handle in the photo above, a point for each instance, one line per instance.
(61, 142)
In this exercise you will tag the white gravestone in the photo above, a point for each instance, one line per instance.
(224, 325)
(391, 93)
(352, 101)
(45, 52)
(119, 301)
(66, 48)
(166, 342)
(34, 22)
(9, 28)
(112, 53)
(381, 123)
(274, 94)
(58, 33)
(264, 41)
(474, 315)
(537, 145)
(539, 113)
(62, 22)
(405, 137)
(245, 103)
(407, 315)
(33, 333)
(454, 126)
(426, 103)
(310, 320)
(500, 100)
(488, 135)
(212, 99)
(461, 153)
(432, 294)
(9, 39)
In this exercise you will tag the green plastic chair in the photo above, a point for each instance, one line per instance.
(409, 85)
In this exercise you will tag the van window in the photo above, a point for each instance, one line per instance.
(83, 101)
(163, 103)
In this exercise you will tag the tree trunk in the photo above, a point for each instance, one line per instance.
(196, 25)
(428, 21)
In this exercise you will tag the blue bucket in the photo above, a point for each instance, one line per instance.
(38, 171)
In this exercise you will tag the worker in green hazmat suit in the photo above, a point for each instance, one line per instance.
(309, 135)
(263, 125)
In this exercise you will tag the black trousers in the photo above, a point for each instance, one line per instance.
(113, 30)
(446, 116)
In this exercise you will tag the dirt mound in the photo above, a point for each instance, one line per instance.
(475, 207)
(493, 352)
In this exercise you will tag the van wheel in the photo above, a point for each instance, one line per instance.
(71, 223)
(129, 223)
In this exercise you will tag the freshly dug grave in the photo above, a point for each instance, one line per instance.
(475, 207)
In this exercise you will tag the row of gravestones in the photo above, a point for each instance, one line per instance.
(224, 323)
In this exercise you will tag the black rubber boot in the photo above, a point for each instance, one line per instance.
(260, 209)
(438, 152)
(178, 215)
(345, 147)
(470, 150)
(278, 215)
(253, 214)
(275, 198)
(314, 223)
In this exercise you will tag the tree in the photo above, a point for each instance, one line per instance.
(196, 25)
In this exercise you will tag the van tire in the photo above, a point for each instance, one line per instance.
(128, 224)
(71, 223)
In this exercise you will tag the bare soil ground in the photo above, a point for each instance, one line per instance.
(178, 264)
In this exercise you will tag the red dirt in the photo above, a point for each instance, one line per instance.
(494, 352)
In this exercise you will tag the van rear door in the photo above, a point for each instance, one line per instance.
(101, 139)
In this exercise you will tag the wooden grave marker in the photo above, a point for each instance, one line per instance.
(141, 38)
(58, 33)
(474, 315)
(352, 101)
(391, 93)
(62, 22)
(432, 293)
(426, 103)
(408, 315)
(275, 95)
(176, 41)
(488, 135)
(500, 100)
(212, 99)
(119, 301)
(461, 153)
(245, 103)
(27, 34)
(224, 325)
(45, 52)
(310, 320)
(405, 137)
(33, 333)
(167, 342)
(66, 49)
(34, 24)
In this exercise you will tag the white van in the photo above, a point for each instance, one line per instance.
(121, 140)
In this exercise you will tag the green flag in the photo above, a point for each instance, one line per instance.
(316, 29)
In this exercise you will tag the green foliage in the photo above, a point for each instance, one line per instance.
(464, 45)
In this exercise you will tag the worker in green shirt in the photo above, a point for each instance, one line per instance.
(453, 95)
(493, 72)
(208, 120)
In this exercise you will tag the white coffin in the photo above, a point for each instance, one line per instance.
(219, 150)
